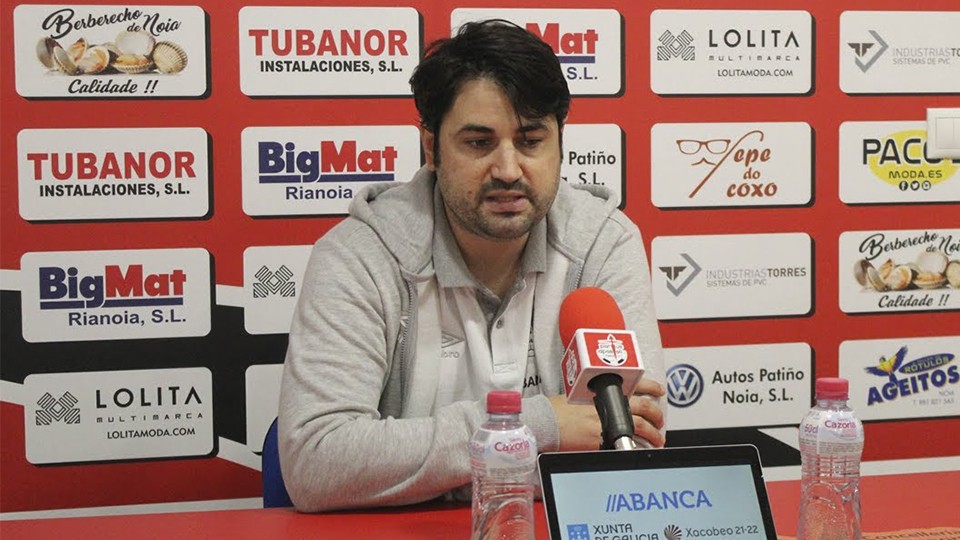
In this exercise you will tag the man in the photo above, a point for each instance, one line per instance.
(432, 293)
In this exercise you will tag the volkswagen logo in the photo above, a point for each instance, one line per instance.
(684, 385)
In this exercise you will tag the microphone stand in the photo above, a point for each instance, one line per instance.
(613, 407)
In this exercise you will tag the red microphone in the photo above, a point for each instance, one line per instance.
(602, 362)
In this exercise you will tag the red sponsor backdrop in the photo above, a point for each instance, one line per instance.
(225, 112)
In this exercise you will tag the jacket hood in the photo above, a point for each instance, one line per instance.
(393, 210)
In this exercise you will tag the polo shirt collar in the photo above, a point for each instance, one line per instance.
(448, 262)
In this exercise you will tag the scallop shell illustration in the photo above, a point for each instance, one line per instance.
(930, 280)
(860, 272)
(65, 62)
(886, 268)
(169, 57)
(132, 64)
(953, 274)
(95, 60)
(932, 261)
(77, 49)
(868, 276)
(45, 48)
(135, 43)
(112, 47)
(899, 278)
(672, 532)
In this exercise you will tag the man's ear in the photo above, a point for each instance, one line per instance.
(427, 139)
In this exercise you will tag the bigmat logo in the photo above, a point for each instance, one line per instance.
(117, 415)
(731, 52)
(98, 295)
(885, 52)
(318, 170)
(738, 275)
(112, 173)
(886, 271)
(716, 165)
(593, 156)
(903, 378)
(327, 51)
(738, 386)
(84, 51)
(272, 281)
(588, 42)
(887, 162)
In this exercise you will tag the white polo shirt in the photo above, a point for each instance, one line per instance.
(485, 342)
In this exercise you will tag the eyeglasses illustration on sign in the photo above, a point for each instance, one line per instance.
(723, 148)
(691, 147)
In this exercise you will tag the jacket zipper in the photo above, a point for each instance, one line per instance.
(404, 349)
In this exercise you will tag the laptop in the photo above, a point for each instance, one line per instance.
(669, 494)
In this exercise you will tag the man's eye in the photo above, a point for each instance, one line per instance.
(530, 142)
(478, 143)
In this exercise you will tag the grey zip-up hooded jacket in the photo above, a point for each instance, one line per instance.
(356, 425)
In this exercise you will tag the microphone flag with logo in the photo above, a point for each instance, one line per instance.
(602, 361)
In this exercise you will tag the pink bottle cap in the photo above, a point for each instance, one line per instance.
(503, 402)
(832, 388)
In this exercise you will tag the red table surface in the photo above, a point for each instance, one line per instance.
(890, 503)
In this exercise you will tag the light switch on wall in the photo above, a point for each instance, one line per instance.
(943, 133)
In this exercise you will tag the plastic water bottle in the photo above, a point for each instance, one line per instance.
(503, 456)
(831, 442)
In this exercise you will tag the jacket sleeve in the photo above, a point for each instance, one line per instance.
(337, 450)
(624, 273)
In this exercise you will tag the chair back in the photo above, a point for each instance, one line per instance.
(274, 491)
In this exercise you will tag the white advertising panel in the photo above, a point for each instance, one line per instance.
(738, 385)
(318, 170)
(887, 162)
(731, 52)
(894, 271)
(262, 382)
(102, 295)
(892, 379)
(593, 155)
(118, 415)
(121, 51)
(588, 42)
(272, 281)
(98, 174)
(328, 51)
(910, 52)
(734, 164)
(736, 275)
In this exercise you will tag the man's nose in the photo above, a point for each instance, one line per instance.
(506, 166)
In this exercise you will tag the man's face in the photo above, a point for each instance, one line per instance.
(498, 174)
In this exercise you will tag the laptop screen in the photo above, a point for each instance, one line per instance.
(672, 494)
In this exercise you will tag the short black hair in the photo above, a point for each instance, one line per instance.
(520, 63)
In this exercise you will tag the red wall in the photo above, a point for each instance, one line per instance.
(225, 112)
